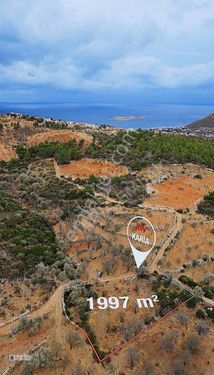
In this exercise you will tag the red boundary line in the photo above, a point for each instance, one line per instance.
(116, 350)
(119, 348)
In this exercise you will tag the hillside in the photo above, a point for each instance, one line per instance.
(67, 194)
(206, 122)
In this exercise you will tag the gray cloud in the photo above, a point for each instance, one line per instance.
(107, 45)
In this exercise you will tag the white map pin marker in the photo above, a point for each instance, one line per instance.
(142, 238)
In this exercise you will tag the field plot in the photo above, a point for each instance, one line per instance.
(156, 172)
(193, 252)
(84, 168)
(58, 136)
(104, 247)
(181, 192)
(171, 346)
(115, 312)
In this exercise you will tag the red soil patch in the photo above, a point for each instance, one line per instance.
(182, 192)
(6, 153)
(59, 136)
(86, 167)
(194, 241)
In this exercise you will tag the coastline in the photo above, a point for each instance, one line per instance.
(186, 130)
(156, 116)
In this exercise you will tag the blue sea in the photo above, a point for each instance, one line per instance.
(155, 116)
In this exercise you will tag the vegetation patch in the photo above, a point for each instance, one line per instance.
(26, 237)
(130, 189)
(62, 152)
(206, 207)
(141, 148)
(77, 309)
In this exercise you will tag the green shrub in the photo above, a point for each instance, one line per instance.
(201, 314)
(206, 207)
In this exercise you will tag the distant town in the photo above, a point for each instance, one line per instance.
(203, 128)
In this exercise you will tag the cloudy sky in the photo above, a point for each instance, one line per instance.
(81, 49)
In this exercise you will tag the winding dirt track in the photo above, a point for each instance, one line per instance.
(176, 229)
(50, 305)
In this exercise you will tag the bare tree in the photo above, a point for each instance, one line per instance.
(178, 367)
(149, 369)
(78, 370)
(168, 341)
(182, 318)
(131, 328)
(73, 339)
(132, 357)
(186, 357)
(202, 329)
(65, 362)
(108, 265)
(192, 344)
